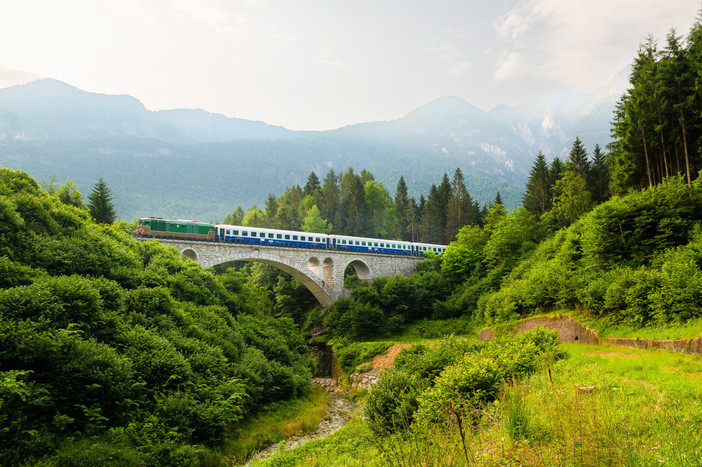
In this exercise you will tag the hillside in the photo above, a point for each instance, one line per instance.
(194, 164)
(118, 351)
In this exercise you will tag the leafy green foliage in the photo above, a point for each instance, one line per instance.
(113, 350)
(633, 259)
(455, 377)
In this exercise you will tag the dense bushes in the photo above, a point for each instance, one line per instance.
(123, 342)
(635, 260)
(430, 385)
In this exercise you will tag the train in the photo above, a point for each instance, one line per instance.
(157, 227)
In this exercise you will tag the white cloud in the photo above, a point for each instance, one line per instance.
(212, 13)
(571, 43)
(507, 66)
(451, 56)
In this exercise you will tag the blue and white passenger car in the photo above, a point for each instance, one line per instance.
(424, 248)
(270, 237)
(370, 245)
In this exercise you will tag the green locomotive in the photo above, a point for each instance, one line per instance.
(175, 228)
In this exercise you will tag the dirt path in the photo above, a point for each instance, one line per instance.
(384, 361)
(339, 413)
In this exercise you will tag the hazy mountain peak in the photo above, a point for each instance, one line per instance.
(52, 109)
(449, 106)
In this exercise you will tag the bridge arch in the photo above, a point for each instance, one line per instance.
(320, 271)
(362, 270)
(311, 276)
(190, 253)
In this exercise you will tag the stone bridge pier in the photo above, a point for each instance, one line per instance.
(321, 271)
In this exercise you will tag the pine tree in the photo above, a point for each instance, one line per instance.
(330, 197)
(413, 220)
(460, 210)
(271, 210)
(599, 176)
(353, 204)
(432, 225)
(312, 186)
(100, 204)
(556, 170)
(401, 210)
(288, 216)
(537, 197)
(498, 198)
(443, 193)
(677, 70)
(577, 158)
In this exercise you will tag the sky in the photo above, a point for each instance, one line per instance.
(323, 64)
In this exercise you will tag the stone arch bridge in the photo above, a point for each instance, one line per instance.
(321, 271)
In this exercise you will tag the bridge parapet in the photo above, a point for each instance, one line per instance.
(321, 271)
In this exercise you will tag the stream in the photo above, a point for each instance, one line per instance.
(339, 413)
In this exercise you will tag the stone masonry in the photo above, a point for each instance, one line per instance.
(321, 271)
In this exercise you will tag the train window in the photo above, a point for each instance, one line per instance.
(270, 235)
(278, 236)
(294, 237)
(244, 233)
(375, 244)
(229, 232)
(303, 238)
(287, 237)
(318, 240)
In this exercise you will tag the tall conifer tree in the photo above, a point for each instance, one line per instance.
(537, 197)
(577, 158)
(599, 176)
(100, 204)
(401, 210)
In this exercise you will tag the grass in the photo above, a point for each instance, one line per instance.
(276, 423)
(352, 355)
(426, 329)
(645, 409)
(688, 330)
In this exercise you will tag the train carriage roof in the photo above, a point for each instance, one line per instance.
(267, 230)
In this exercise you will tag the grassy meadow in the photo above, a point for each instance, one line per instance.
(637, 408)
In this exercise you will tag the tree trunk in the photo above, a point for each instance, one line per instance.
(648, 165)
(687, 157)
(660, 129)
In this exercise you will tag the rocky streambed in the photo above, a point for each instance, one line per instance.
(338, 415)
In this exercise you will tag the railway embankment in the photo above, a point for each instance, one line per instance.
(570, 330)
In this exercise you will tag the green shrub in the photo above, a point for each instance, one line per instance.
(462, 388)
(391, 405)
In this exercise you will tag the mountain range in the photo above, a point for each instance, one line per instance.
(196, 164)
